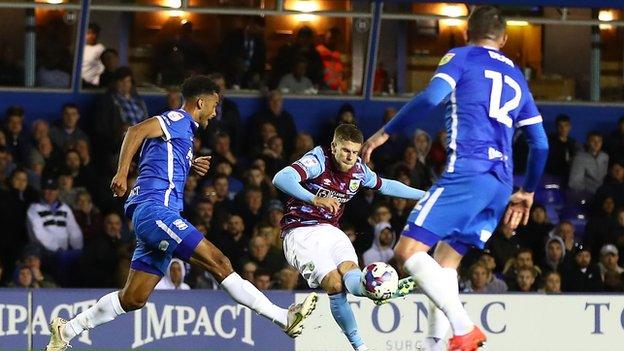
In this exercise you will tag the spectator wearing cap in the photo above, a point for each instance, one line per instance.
(581, 275)
(51, 223)
(383, 243)
(32, 259)
(609, 256)
(119, 108)
(589, 167)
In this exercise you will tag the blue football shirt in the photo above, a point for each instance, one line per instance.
(165, 163)
(490, 98)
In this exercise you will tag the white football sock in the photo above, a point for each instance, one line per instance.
(427, 272)
(105, 310)
(439, 325)
(246, 294)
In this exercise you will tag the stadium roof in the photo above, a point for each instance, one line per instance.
(564, 3)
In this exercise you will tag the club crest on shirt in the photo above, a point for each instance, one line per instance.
(174, 116)
(448, 57)
(354, 185)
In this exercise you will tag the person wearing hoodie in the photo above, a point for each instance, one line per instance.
(555, 254)
(383, 242)
(174, 279)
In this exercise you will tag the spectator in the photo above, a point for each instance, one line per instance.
(23, 278)
(565, 230)
(83, 176)
(110, 61)
(303, 144)
(296, 81)
(252, 207)
(389, 153)
(174, 279)
(581, 275)
(615, 143)
(51, 223)
(552, 283)
(589, 167)
(274, 215)
(534, 234)
(256, 177)
(227, 121)
(616, 233)
(304, 47)
(223, 205)
(232, 241)
(204, 212)
(67, 191)
(262, 279)
(482, 280)
(601, 223)
(11, 72)
(437, 154)
(223, 150)
(490, 263)
(523, 260)
(53, 70)
(419, 172)
(265, 256)
(40, 129)
(503, 245)
(87, 215)
(274, 155)
(274, 113)
(346, 115)
(92, 66)
(562, 149)
(613, 281)
(609, 256)
(45, 159)
(17, 141)
(613, 184)
(333, 73)
(287, 279)
(68, 131)
(32, 259)
(119, 108)
(383, 243)
(234, 184)
(399, 210)
(249, 269)
(243, 55)
(379, 213)
(525, 280)
(555, 254)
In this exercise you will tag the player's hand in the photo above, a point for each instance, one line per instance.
(119, 185)
(201, 165)
(519, 208)
(372, 143)
(328, 203)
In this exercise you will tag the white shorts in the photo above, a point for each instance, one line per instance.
(317, 250)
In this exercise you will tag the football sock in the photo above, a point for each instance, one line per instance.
(439, 325)
(352, 282)
(343, 315)
(105, 310)
(427, 272)
(246, 294)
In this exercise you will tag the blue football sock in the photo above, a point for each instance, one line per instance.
(352, 282)
(343, 315)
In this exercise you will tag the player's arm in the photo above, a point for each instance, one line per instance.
(289, 181)
(150, 128)
(395, 188)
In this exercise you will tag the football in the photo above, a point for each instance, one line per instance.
(379, 280)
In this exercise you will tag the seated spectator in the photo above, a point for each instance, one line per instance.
(615, 142)
(333, 76)
(47, 155)
(174, 279)
(32, 259)
(67, 131)
(616, 233)
(609, 256)
(589, 167)
(256, 177)
(613, 184)
(419, 172)
(346, 115)
(223, 205)
(490, 263)
(552, 283)
(273, 217)
(87, 215)
(234, 184)
(265, 256)
(262, 279)
(17, 140)
(227, 121)
(503, 245)
(119, 108)
(613, 281)
(525, 280)
(23, 278)
(534, 234)
(287, 279)
(92, 67)
(39, 129)
(83, 176)
(303, 144)
(601, 223)
(399, 210)
(581, 275)
(67, 191)
(562, 148)
(223, 150)
(303, 46)
(482, 280)
(249, 269)
(204, 211)
(251, 210)
(274, 113)
(233, 242)
(110, 61)
(274, 156)
(296, 81)
(565, 230)
(383, 243)
(523, 260)
(555, 254)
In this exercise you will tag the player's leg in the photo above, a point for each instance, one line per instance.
(133, 296)
(208, 257)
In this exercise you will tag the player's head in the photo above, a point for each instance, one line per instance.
(487, 23)
(346, 146)
(201, 97)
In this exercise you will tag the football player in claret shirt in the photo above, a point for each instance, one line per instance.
(487, 99)
(319, 184)
(154, 205)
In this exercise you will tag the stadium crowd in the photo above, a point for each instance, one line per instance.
(61, 226)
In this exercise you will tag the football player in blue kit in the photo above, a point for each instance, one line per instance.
(154, 205)
(487, 99)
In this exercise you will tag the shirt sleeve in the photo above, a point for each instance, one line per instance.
(311, 165)
(451, 67)
(529, 114)
(174, 125)
(371, 179)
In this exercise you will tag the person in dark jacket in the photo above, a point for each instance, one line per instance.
(582, 275)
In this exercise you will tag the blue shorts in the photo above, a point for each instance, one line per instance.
(161, 234)
(462, 211)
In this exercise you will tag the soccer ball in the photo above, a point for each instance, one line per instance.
(379, 280)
